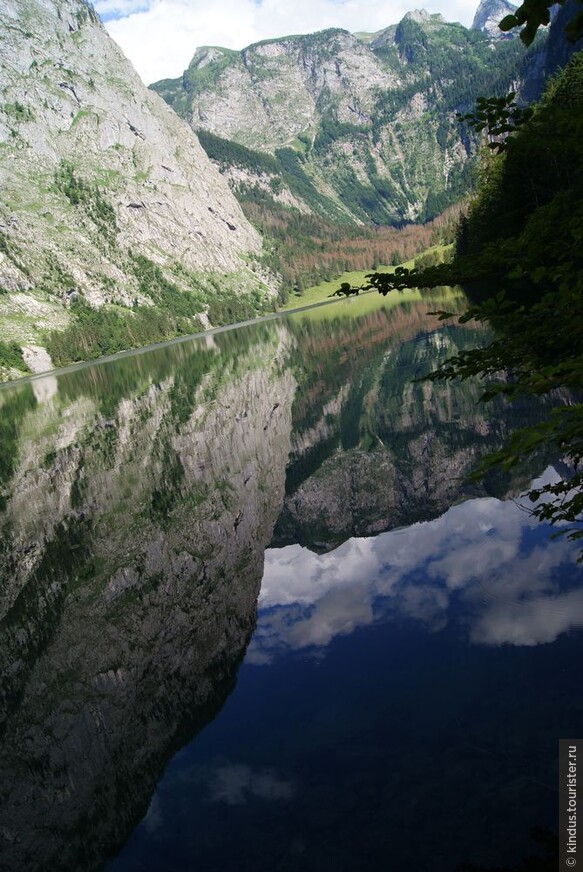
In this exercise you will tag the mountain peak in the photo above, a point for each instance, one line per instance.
(421, 16)
(488, 16)
(207, 54)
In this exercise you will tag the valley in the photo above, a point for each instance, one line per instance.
(117, 229)
(261, 587)
(293, 161)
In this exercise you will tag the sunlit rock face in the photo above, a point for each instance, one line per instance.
(366, 121)
(132, 547)
(95, 170)
(488, 16)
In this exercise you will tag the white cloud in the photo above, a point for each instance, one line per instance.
(534, 622)
(160, 36)
(475, 553)
(235, 784)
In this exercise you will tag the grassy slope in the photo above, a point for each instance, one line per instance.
(321, 292)
(356, 307)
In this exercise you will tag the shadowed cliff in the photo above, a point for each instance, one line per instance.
(132, 549)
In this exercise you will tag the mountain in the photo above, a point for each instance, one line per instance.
(111, 214)
(117, 231)
(488, 16)
(132, 530)
(351, 127)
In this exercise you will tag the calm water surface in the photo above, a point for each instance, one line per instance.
(255, 617)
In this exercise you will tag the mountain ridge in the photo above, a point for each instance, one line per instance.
(102, 184)
(368, 120)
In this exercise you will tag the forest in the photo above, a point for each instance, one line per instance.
(519, 255)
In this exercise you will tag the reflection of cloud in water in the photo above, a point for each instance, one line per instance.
(532, 623)
(482, 555)
(337, 613)
(296, 575)
(230, 783)
(235, 784)
(154, 819)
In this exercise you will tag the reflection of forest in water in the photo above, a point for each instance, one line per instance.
(138, 497)
(374, 446)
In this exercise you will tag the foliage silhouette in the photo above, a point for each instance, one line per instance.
(533, 14)
(520, 257)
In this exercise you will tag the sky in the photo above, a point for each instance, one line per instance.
(160, 36)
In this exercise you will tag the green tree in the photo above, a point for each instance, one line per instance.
(520, 257)
(533, 14)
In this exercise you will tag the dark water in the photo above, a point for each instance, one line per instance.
(255, 617)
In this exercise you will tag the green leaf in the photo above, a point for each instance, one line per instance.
(508, 22)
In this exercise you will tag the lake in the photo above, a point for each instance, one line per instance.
(255, 617)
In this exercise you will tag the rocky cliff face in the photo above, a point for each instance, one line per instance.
(94, 172)
(380, 451)
(366, 122)
(132, 549)
(271, 92)
(488, 16)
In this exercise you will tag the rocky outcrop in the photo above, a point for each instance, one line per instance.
(488, 16)
(273, 91)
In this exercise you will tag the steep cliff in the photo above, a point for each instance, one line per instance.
(358, 127)
(374, 450)
(136, 516)
(488, 16)
(100, 182)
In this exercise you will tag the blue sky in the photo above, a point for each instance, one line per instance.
(113, 13)
(160, 36)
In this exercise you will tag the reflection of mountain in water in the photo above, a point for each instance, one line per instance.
(487, 567)
(374, 449)
(133, 544)
(138, 498)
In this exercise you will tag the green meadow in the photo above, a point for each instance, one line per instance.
(370, 301)
(320, 293)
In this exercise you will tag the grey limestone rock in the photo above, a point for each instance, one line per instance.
(488, 16)
(95, 167)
